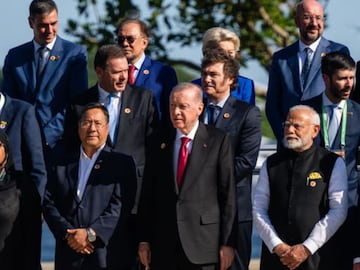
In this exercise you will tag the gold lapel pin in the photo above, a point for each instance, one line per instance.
(146, 71)
(127, 110)
(226, 115)
(162, 146)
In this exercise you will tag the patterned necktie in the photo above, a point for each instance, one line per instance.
(113, 109)
(42, 61)
(182, 159)
(333, 123)
(213, 114)
(306, 67)
(132, 69)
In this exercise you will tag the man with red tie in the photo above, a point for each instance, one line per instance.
(187, 206)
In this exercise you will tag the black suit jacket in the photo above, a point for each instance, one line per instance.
(243, 123)
(202, 212)
(99, 207)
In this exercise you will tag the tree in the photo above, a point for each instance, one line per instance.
(262, 25)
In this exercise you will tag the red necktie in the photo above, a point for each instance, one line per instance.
(183, 156)
(132, 69)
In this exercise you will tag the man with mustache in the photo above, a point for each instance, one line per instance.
(300, 199)
(336, 109)
(295, 73)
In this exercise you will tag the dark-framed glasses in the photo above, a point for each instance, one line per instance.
(130, 39)
(308, 18)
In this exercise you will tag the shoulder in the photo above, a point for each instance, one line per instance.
(157, 65)
(245, 80)
(289, 50)
(68, 46)
(139, 91)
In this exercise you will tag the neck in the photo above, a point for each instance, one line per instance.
(89, 151)
(333, 99)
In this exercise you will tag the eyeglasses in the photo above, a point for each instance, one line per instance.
(130, 39)
(297, 126)
(308, 18)
(88, 123)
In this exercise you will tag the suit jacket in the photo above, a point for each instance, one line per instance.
(285, 89)
(352, 142)
(243, 123)
(17, 119)
(202, 212)
(64, 77)
(356, 92)
(99, 207)
(159, 79)
(245, 90)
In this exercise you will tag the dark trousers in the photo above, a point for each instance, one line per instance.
(243, 246)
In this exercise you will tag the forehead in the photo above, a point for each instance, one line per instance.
(52, 16)
(227, 45)
(344, 72)
(312, 7)
(93, 114)
(130, 28)
(117, 62)
(299, 116)
(214, 67)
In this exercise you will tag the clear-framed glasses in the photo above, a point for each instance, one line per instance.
(308, 18)
(297, 126)
(89, 123)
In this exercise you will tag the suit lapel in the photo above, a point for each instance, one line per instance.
(72, 172)
(144, 72)
(29, 66)
(293, 64)
(226, 114)
(126, 110)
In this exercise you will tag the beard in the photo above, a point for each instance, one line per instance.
(293, 142)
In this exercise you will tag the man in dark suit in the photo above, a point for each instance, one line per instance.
(133, 121)
(243, 123)
(18, 120)
(133, 36)
(295, 72)
(187, 207)
(47, 72)
(356, 93)
(336, 109)
(83, 196)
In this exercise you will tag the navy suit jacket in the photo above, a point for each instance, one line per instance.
(245, 90)
(99, 207)
(159, 79)
(18, 120)
(202, 212)
(352, 141)
(64, 77)
(284, 88)
(243, 123)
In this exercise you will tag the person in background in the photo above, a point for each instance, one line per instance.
(18, 121)
(295, 71)
(356, 93)
(133, 35)
(83, 201)
(9, 206)
(242, 121)
(300, 199)
(47, 72)
(187, 208)
(230, 42)
(339, 116)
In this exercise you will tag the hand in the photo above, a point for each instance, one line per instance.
(226, 257)
(77, 239)
(281, 249)
(296, 255)
(144, 253)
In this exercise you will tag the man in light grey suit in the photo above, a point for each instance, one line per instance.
(289, 82)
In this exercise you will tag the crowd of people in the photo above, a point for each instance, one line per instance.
(140, 171)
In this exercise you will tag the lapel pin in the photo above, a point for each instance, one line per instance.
(127, 110)
(226, 115)
(205, 145)
(54, 57)
(162, 146)
(97, 166)
(146, 71)
(350, 113)
(3, 124)
(323, 54)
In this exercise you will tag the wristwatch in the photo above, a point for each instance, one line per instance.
(91, 235)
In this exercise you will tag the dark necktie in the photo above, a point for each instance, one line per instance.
(132, 69)
(42, 61)
(333, 123)
(213, 115)
(306, 67)
(182, 159)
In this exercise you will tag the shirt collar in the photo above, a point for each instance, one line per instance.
(50, 46)
(191, 134)
(84, 156)
(139, 62)
(221, 103)
(103, 95)
(2, 101)
(326, 101)
(313, 46)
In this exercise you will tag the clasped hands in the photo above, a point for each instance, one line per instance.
(292, 256)
(77, 239)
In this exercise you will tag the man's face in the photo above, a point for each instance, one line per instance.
(299, 131)
(44, 27)
(114, 77)
(184, 110)
(93, 129)
(214, 82)
(132, 41)
(310, 22)
(339, 85)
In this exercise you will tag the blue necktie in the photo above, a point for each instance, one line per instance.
(213, 114)
(42, 61)
(306, 67)
(113, 109)
(333, 123)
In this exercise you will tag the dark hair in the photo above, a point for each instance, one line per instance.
(40, 7)
(94, 105)
(334, 61)
(215, 55)
(144, 29)
(105, 52)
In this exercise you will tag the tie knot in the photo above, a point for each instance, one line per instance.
(185, 140)
(308, 50)
(132, 68)
(42, 50)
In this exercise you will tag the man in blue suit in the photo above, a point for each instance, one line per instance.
(83, 196)
(242, 122)
(335, 108)
(18, 121)
(46, 72)
(133, 36)
(289, 82)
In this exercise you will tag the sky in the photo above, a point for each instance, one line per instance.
(342, 21)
